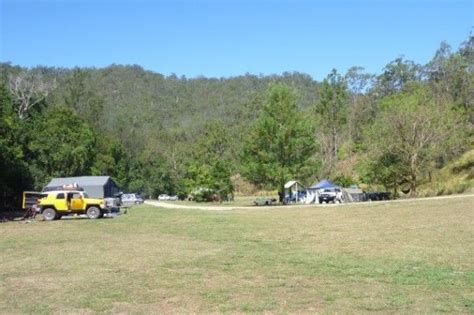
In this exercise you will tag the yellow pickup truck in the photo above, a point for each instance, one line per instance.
(64, 202)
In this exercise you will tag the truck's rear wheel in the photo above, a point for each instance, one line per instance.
(49, 214)
(93, 212)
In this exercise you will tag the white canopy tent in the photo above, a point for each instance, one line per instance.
(294, 186)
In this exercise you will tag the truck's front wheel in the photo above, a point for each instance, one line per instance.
(93, 212)
(49, 214)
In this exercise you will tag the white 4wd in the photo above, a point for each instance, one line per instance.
(328, 195)
(167, 197)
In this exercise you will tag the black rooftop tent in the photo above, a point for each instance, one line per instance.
(94, 186)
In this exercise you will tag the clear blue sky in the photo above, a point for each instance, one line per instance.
(228, 38)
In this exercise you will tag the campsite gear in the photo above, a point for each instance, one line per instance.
(264, 201)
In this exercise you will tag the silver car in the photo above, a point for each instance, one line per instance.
(131, 199)
(165, 197)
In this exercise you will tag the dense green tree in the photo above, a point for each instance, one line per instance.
(451, 76)
(280, 145)
(396, 75)
(361, 105)
(331, 116)
(151, 169)
(60, 144)
(438, 69)
(358, 81)
(82, 98)
(461, 79)
(14, 173)
(112, 159)
(413, 129)
(8, 125)
(386, 169)
(211, 166)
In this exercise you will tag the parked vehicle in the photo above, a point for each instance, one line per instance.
(376, 196)
(328, 195)
(31, 199)
(63, 202)
(165, 197)
(131, 199)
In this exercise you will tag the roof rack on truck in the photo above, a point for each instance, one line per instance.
(73, 186)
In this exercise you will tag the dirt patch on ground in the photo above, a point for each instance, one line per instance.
(169, 205)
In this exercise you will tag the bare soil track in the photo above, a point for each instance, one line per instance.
(171, 205)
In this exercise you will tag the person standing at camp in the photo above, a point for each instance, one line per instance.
(339, 196)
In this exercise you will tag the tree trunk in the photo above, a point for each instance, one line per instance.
(281, 193)
(413, 168)
(413, 185)
(334, 147)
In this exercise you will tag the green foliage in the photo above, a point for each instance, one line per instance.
(280, 144)
(331, 105)
(331, 116)
(112, 159)
(60, 144)
(386, 170)
(210, 169)
(156, 134)
(343, 180)
(214, 143)
(82, 98)
(396, 75)
(451, 76)
(8, 125)
(411, 130)
(14, 175)
(202, 194)
(149, 175)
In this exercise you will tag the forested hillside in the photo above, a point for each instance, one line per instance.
(155, 134)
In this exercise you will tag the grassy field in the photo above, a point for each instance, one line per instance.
(411, 257)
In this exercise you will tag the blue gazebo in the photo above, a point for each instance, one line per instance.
(314, 190)
(322, 185)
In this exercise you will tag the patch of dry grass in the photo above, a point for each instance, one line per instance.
(239, 201)
(454, 178)
(393, 257)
